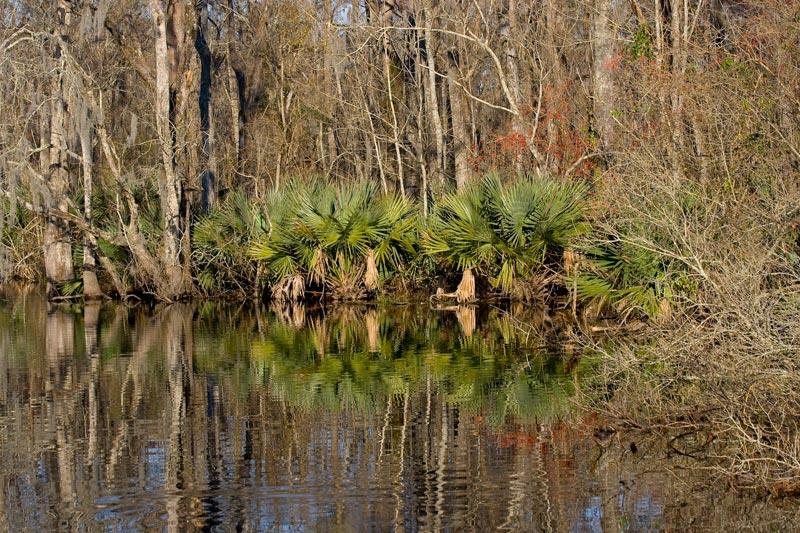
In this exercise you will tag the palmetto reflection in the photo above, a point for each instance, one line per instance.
(360, 359)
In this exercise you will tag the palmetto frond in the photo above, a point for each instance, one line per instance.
(506, 231)
(327, 233)
(626, 277)
(221, 239)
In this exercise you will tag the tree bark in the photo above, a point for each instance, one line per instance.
(603, 93)
(387, 74)
(508, 31)
(175, 282)
(91, 287)
(234, 99)
(208, 170)
(431, 96)
(57, 244)
(460, 134)
(678, 15)
(558, 79)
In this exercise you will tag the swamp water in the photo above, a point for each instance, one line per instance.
(234, 418)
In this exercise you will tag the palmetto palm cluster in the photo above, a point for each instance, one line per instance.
(345, 240)
(627, 278)
(221, 239)
(505, 232)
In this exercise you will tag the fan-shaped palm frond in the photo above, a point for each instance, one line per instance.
(505, 232)
(331, 236)
(628, 278)
(221, 240)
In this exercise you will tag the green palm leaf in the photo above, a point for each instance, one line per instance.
(506, 231)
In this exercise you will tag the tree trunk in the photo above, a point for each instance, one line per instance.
(458, 121)
(558, 81)
(387, 75)
(678, 51)
(91, 287)
(327, 49)
(57, 246)
(419, 139)
(603, 97)
(208, 171)
(175, 282)
(431, 97)
(508, 31)
(235, 109)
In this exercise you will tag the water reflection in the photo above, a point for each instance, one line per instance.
(348, 419)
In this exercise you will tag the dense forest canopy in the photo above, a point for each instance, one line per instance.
(124, 122)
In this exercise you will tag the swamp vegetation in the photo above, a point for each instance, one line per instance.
(629, 170)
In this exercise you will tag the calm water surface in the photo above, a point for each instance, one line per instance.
(235, 418)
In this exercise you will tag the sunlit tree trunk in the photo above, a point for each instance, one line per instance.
(666, 26)
(387, 75)
(234, 109)
(176, 282)
(57, 245)
(91, 287)
(678, 35)
(330, 78)
(509, 31)
(460, 134)
(603, 93)
(557, 79)
(431, 95)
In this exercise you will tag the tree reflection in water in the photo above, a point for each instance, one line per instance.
(345, 419)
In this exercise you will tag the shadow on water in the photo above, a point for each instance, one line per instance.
(330, 419)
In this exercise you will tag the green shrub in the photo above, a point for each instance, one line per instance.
(505, 232)
(345, 240)
(628, 278)
(221, 240)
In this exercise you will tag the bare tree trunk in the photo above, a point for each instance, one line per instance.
(91, 287)
(419, 143)
(666, 25)
(432, 97)
(208, 170)
(327, 43)
(235, 109)
(57, 246)
(509, 32)
(558, 79)
(603, 97)
(387, 74)
(376, 145)
(175, 282)
(678, 14)
(458, 122)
